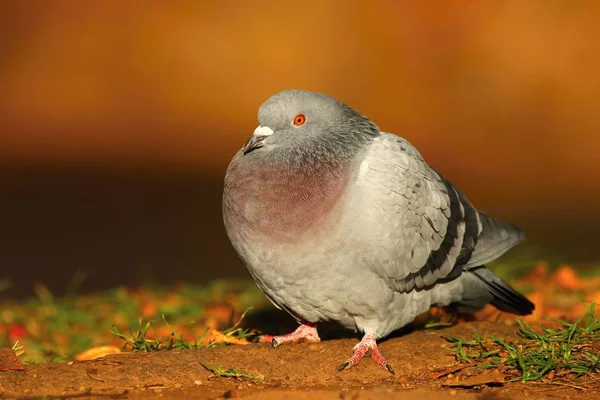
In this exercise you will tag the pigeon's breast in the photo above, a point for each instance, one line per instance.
(264, 199)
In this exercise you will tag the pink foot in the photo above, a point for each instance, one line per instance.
(367, 343)
(304, 333)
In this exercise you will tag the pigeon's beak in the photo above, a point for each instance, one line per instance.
(255, 141)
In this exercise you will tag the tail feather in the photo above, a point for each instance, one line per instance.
(496, 238)
(505, 298)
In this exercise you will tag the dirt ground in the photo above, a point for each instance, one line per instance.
(301, 371)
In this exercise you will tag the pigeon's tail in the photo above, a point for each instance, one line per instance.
(504, 297)
(481, 287)
(496, 238)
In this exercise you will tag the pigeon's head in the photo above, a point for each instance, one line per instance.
(292, 119)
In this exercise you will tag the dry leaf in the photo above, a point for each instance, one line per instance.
(16, 332)
(148, 309)
(538, 274)
(97, 352)
(217, 315)
(538, 299)
(220, 337)
(595, 297)
(566, 278)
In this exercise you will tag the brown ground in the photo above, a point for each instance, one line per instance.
(303, 371)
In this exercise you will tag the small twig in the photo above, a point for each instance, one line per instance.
(569, 385)
(156, 386)
(96, 379)
(556, 384)
(83, 393)
(452, 370)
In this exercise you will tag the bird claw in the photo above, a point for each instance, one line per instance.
(349, 363)
(344, 366)
(263, 339)
(390, 369)
(304, 333)
(367, 343)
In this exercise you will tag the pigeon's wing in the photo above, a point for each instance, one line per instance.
(429, 231)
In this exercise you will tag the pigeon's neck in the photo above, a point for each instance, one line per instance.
(263, 197)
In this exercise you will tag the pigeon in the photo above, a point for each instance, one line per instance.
(338, 221)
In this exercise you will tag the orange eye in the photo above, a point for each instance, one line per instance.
(299, 120)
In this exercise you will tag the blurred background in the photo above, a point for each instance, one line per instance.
(118, 119)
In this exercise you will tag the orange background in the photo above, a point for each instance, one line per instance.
(505, 91)
(501, 97)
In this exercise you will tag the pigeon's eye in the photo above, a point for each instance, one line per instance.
(299, 120)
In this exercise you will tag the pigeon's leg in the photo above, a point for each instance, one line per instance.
(367, 343)
(306, 332)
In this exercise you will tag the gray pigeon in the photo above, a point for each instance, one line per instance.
(338, 221)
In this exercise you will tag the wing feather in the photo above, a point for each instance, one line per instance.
(424, 234)
(426, 230)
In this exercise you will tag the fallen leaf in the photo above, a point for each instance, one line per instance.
(538, 274)
(148, 309)
(163, 331)
(219, 337)
(566, 278)
(217, 315)
(556, 313)
(593, 297)
(97, 352)
(538, 313)
(16, 332)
